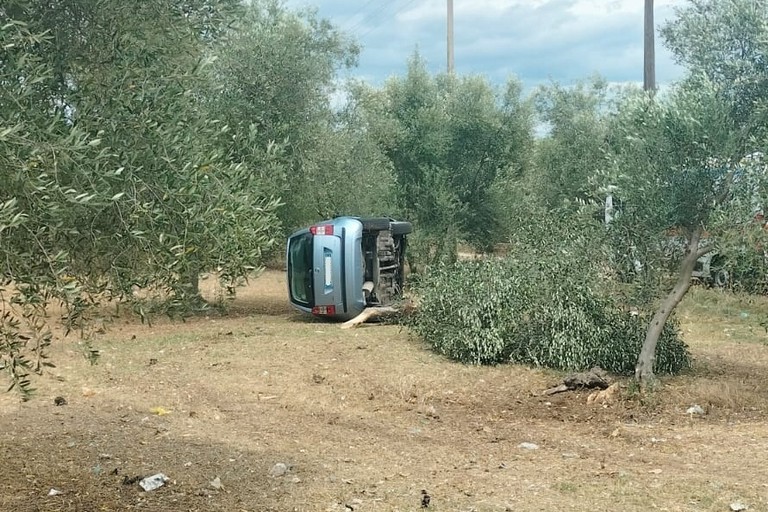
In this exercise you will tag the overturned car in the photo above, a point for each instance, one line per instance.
(338, 267)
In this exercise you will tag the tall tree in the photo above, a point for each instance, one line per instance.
(573, 149)
(726, 42)
(451, 140)
(110, 175)
(673, 169)
(275, 77)
(134, 78)
(693, 144)
(39, 206)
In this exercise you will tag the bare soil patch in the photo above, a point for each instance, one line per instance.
(366, 419)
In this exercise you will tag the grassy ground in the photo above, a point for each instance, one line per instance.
(366, 419)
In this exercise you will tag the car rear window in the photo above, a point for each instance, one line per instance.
(300, 269)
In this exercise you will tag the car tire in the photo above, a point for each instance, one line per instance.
(375, 223)
(401, 227)
(720, 278)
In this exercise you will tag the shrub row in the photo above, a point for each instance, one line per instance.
(497, 311)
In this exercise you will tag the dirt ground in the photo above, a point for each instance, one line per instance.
(366, 419)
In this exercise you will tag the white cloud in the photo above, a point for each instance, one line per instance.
(536, 40)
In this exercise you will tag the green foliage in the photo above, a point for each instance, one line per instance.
(467, 311)
(740, 227)
(573, 151)
(727, 42)
(36, 206)
(748, 269)
(451, 140)
(669, 155)
(111, 178)
(496, 311)
(147, 198)
(549, 303)
(668, 166)
(347, 174)
(273, 80)
(187, 207)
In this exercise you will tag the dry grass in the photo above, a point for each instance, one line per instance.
(368, 418)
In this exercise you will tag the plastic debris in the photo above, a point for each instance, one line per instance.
(54, 492)
(153, 482)
(695, 409)
(528, 446)
(278, 469)
(738, 506)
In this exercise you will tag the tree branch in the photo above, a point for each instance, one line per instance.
(369, 314)
(703, 251)
(726, 188)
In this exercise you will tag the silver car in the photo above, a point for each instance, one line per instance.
(338, 267)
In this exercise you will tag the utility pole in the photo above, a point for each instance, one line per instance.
(649, 53)
(450, 37)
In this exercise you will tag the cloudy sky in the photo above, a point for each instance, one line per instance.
(535, 40)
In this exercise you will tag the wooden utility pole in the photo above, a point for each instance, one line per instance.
(649, 53)
(450, 37)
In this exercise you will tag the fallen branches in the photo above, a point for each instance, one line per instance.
(370, 314)
(594, 378)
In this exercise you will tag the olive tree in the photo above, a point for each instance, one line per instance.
(573, 149)
(275, 82)
(677, 159)
(727, 42)
(452, 141)
(672, 170)
(40, 206)
(110, 175)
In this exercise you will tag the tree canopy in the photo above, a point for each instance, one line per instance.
(452, 141)
(145, 143)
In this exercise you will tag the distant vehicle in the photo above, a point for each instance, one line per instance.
(338, 267)
(711, 269)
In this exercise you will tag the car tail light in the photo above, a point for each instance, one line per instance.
(324, 310)
(322, 229)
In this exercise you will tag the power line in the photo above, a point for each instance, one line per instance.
(394, 14)
(358, 13)
(370, 16)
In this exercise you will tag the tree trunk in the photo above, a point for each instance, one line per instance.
(645, 362)
(370, 314)
(191, 284)
(193, 280)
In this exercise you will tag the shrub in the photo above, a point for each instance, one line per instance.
(749, 272)
(466, 311)
(538, 313)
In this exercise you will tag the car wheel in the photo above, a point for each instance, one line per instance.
(401, 227)
(375, 223)
(720, 278)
